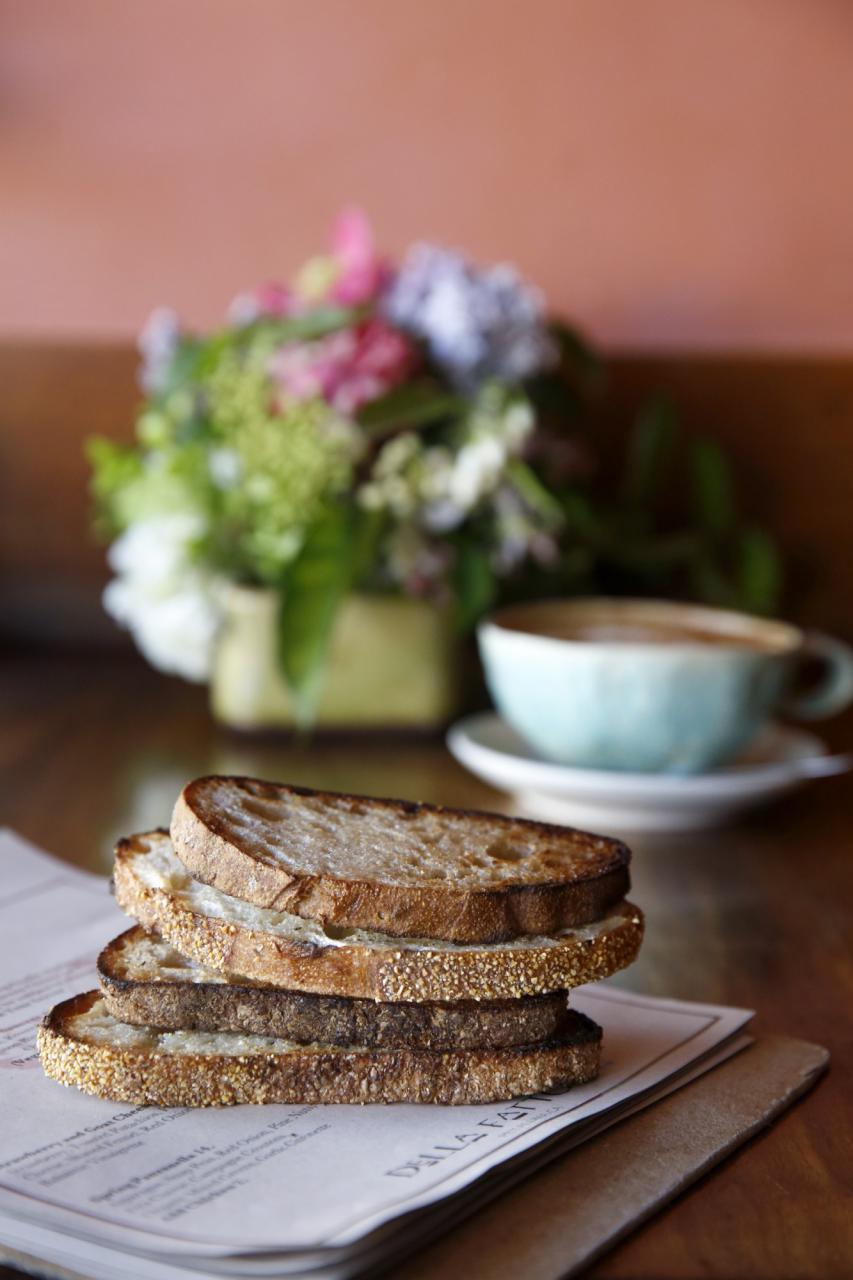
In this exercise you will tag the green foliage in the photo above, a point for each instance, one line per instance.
(129, 486)
(712, 488)
(535, 494)
(287, 465)
(672, 528)
(759, 571)
(115, 468)
(561, 395)
(312, 590)
(579, 362)
(368, 528)
(309, 325)
(650, 453)
(414, 404)
(474, 584)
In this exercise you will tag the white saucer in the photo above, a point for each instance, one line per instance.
(780, 760)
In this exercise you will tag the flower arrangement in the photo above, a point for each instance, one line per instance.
(408, 428)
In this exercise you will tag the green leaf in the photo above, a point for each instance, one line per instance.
(210, 352)
(115, 469)
(182, 369)
(474, 583)
(581, 516)
(650, 450)
(534, 493)
(416, 404)
(576, 355)
(759, 571)
(555, 399)
(713, 488)
(656, 554)
(368, 528)
(313, 589)
(316, 323)
(709, 584)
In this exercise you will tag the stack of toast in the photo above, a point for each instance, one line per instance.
(307, 947)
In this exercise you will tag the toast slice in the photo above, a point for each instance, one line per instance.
(403, 869)
(144, 981)
(81, 1044)
(232, 936)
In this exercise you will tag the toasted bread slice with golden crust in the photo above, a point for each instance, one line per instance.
(233, 936)
(146, 982)
(403, 869)
(81, 1044)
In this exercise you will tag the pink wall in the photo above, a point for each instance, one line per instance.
(673, 172)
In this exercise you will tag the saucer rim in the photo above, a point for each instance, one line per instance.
(547, 776)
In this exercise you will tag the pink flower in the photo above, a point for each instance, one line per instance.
(274, 300)
(362, 274)
(347, 369)
(352, 274)
(296, 369)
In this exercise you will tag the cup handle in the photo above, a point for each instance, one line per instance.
(834, 691)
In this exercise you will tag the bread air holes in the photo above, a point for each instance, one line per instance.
(266, 810)
(137, 844)
(337, 932)
(506, 850)
(254, 787)
(261, 791)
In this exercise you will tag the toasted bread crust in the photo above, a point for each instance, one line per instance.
(388, 974)
(241, 1006)
(316, 1075)
(570, 878)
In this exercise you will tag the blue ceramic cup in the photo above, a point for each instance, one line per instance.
(650, 686)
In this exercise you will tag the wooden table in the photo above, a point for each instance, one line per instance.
(756, 916)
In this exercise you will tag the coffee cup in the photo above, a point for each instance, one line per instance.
(651, 686)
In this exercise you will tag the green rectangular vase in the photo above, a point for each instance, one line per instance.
(393, 663)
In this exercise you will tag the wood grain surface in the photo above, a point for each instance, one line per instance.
(758, 916)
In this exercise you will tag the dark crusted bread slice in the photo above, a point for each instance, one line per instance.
(81, 1044)
(232, 936)
(407, 870)
(146, 982)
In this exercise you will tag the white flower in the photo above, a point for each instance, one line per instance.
(226, 468)
(155, 549)
(371, 497)
(437, 467)
(393, 486)
(442, 515)
(517, 423)
(167, 603)
(518, 534)
(399, 451)
(174, 633)
(477, 471)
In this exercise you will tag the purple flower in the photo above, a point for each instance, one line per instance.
(477, 323)
(157, 344)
